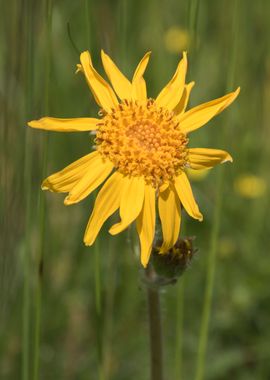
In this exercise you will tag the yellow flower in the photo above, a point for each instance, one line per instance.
(176, 39)
(141, 151)
(250, 186)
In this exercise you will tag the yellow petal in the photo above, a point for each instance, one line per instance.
(80, 70)
(182, 105)
(146, 224)
(170, 216)
(171, 94)
(64, 180)
(139, 91)
(198, 116)
(107, 202)
(131, 203)
(97, 171)
(164, 186)
(202, 158)
(121, 84)
(184, 191)
(140, 69)
(197, 174)
(65, 125)
(102, 91)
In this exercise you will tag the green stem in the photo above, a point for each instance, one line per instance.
(179, 330)
(27, 193)
(209, 281)
(123, 12)
(98, 310)
(109, 312)
(155, 333)
(88, 24)
(193, 22)
(42, 206)
(38, 301)
(216, 222)
(97, 266)
(26, 263)
(97, 279)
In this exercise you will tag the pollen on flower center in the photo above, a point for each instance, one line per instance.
(143, 139)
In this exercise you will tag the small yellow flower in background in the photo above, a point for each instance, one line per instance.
(250, 186)
(176, 39)
(141, 151)
(197, 175)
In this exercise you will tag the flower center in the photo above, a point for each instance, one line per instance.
(143, 139)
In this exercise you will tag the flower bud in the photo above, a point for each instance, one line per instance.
(171, 265)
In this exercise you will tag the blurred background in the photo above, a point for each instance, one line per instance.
(89, 303)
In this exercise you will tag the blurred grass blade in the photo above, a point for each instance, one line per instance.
(88, 24)
(72, 40)
(178, 361)
(192, 20)
(41, 200)
(27, 192)
(97, 271)
(211, 266)
(97, 253)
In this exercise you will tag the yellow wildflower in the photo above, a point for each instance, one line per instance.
(250, 186)
(141, 151)
(176, 39)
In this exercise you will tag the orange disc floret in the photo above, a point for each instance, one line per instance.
(143, 139)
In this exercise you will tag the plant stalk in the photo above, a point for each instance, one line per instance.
(97, 257)
(211, 267)
(179, 330)
(41, 202)
(209, 282)
(27, 194)
(155, 326)
(155, 334)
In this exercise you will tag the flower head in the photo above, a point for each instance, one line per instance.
(250, 186)
(142, 152)
(176, 39)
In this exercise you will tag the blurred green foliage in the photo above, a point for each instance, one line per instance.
(70, 327)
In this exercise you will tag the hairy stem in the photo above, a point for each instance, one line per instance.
(155, 325)
(155, 334)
